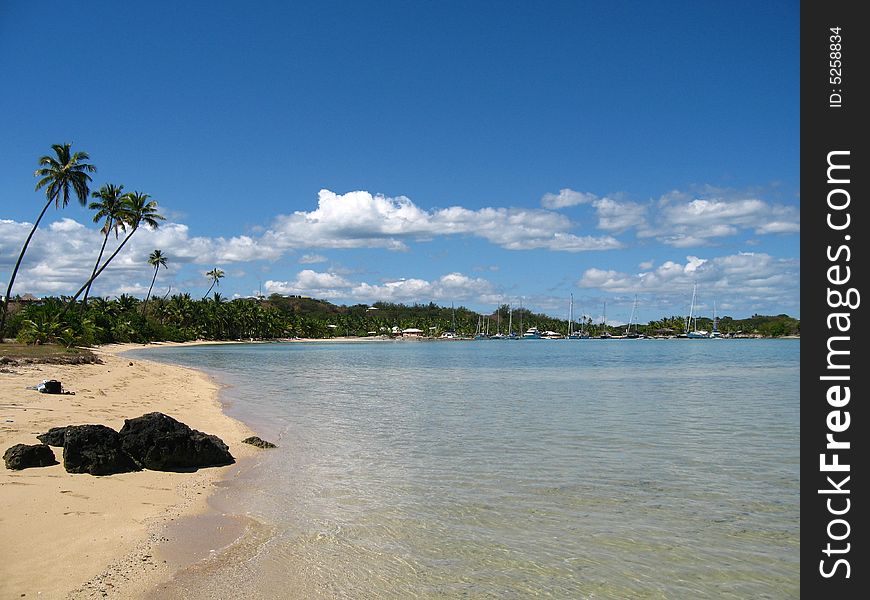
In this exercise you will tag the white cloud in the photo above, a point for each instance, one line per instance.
(360, 220)
(311, 259)
(613, 215)
(746, 278)
(619, 216)
(311, 283)
(683, 221)
(449, 287)
(566, 197)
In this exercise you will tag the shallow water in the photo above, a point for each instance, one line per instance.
(509, 469)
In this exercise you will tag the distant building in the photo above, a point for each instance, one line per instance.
(412, 332)
(25, 298)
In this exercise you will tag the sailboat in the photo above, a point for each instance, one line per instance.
(531, 333)
(511, 335)
(482, 324)
(692, 331)
(604, 334)
(715, 334)
(451, 335)
(628, 332)
(498, 335)
(572, 335)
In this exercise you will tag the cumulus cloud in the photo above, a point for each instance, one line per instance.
(566, 197)
(619, 216)
(362, 220)
(756, 279)
(613, 215)
(311, 283)
(684, 221)
(449, 287)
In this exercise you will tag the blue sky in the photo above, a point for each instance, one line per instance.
(468, 153)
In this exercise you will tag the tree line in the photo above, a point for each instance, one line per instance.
(180, 318)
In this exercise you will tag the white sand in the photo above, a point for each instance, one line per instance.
(75, 535)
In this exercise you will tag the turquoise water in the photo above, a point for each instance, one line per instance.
(511, 469)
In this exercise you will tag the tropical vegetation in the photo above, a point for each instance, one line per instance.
(181, 318)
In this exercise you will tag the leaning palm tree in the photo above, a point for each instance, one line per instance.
(137, 209)
(216, 275)
(110, 207)
(156, 259)
(60, 174)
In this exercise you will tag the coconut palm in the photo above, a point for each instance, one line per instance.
(137, 209)
(62, 174)
(156, 259)
(109, 207)
(216, 275)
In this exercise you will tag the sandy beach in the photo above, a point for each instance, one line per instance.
(79, 536)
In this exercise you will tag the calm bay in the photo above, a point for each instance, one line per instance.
(510, 469)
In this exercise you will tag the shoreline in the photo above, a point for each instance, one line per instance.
(81, 536)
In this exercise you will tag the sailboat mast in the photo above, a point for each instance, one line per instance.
(571, 316)
(631, 318)
(691, 309)
(521, 316)
(510, 318)
(715, 318)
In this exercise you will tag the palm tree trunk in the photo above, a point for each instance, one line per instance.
(209, 290)
(97, 264)
(144, 304)
(18, 264)
(97, 274)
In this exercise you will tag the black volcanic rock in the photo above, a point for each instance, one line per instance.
(258, 442)
(53, 437)
(95, 449)
(160, 443)
(22, 456)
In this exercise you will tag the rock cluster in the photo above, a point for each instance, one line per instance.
(153, 441)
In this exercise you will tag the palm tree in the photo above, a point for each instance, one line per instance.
(126, 303)
(109, 207)
(59, 175)
(216, 275)
(156, 259)
(137, 209)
